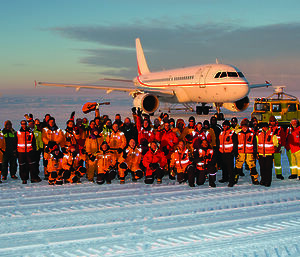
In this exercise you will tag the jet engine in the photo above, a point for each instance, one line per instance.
(238, 106)
(146, 102)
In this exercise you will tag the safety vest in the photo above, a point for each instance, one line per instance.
(116, 140)
(265, 145)
(226, 143)
(293, 139)
(245, 142)
(205, 158)
(24, 141)
(132, 158)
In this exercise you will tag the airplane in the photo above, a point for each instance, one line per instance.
(219, 84)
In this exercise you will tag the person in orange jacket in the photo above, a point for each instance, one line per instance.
(180, 161)
(92, 145)
(55, 166)
(73, 166)
(106, 164)
(130, 162)
(154, 162)
(266, 143)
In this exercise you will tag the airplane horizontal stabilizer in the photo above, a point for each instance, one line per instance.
(266, 84)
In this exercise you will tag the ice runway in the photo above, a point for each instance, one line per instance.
(150, 220)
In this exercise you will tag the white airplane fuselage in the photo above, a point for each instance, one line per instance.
(198, 83)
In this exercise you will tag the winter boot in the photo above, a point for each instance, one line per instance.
(212, 179)
(293, 176)
(159, 181)
(279, 176)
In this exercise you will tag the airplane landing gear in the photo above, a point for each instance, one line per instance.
(219, 115)
(203, 109)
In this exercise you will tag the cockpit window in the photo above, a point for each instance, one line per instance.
(223, 74)
(241, 75)
(218, 75)
(232, 74)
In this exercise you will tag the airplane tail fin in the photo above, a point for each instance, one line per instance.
(141, 61)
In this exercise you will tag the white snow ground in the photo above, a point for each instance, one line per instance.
(142, 220)
(150, 220)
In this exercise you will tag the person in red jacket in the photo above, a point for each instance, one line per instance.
(293, 148)
(154, 161)
(168, 140)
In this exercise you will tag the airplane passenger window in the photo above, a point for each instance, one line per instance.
(217, 75)
(232, 74)
(292, 108)
(223, 75)
(276, 108)
(241, 75)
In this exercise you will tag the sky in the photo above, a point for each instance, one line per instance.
(84, 41)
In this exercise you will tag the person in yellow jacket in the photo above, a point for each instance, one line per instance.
(130, 161)
(54, 134)
(106, 164)
(55, 166)
(37, 131)
(266, 143)
(73, 166)
(116, 141)
(92, 145)
(2, 150)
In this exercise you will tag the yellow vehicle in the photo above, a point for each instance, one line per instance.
(282, 106)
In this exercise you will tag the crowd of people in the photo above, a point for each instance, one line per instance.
(103, 149)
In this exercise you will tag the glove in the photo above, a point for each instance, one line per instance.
(161, 115)
(68, 139)
(92, 157)
(139, 112)
(72, 115)
(184, 156)
(133, 109)
(155, 166)
(165, 150)
(54, 174)
(120, 150)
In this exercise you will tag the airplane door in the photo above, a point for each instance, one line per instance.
(203, 76)
(199, 74)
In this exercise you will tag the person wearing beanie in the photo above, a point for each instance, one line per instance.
(234, 124)
(186, 132)
(51, 133)
(266, 143)
(10, 154)
(293, 148)
(26, 147)
(154, 161)
(280, 133)
(228, 150)
(55, 167)
(106, 164)
(130, 162)
(247, 149)
(92, 145)
(168, 141)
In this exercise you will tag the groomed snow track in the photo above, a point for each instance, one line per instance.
(150, 220)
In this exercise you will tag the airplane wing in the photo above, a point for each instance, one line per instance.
(132, 91)
(266, 84)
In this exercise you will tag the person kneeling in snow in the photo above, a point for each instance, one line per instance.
(130, 162)
(180, 162)
(154, 160)
(54, 166)
(205, 160)
(106, 164)
(73, 166)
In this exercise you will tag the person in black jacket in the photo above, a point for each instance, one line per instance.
(10, 154)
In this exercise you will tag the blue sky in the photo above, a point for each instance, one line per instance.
(82, 41)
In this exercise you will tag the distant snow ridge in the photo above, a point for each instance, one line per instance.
(150, 220)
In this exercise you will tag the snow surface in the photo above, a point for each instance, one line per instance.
(135, 219)
(165, 219)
